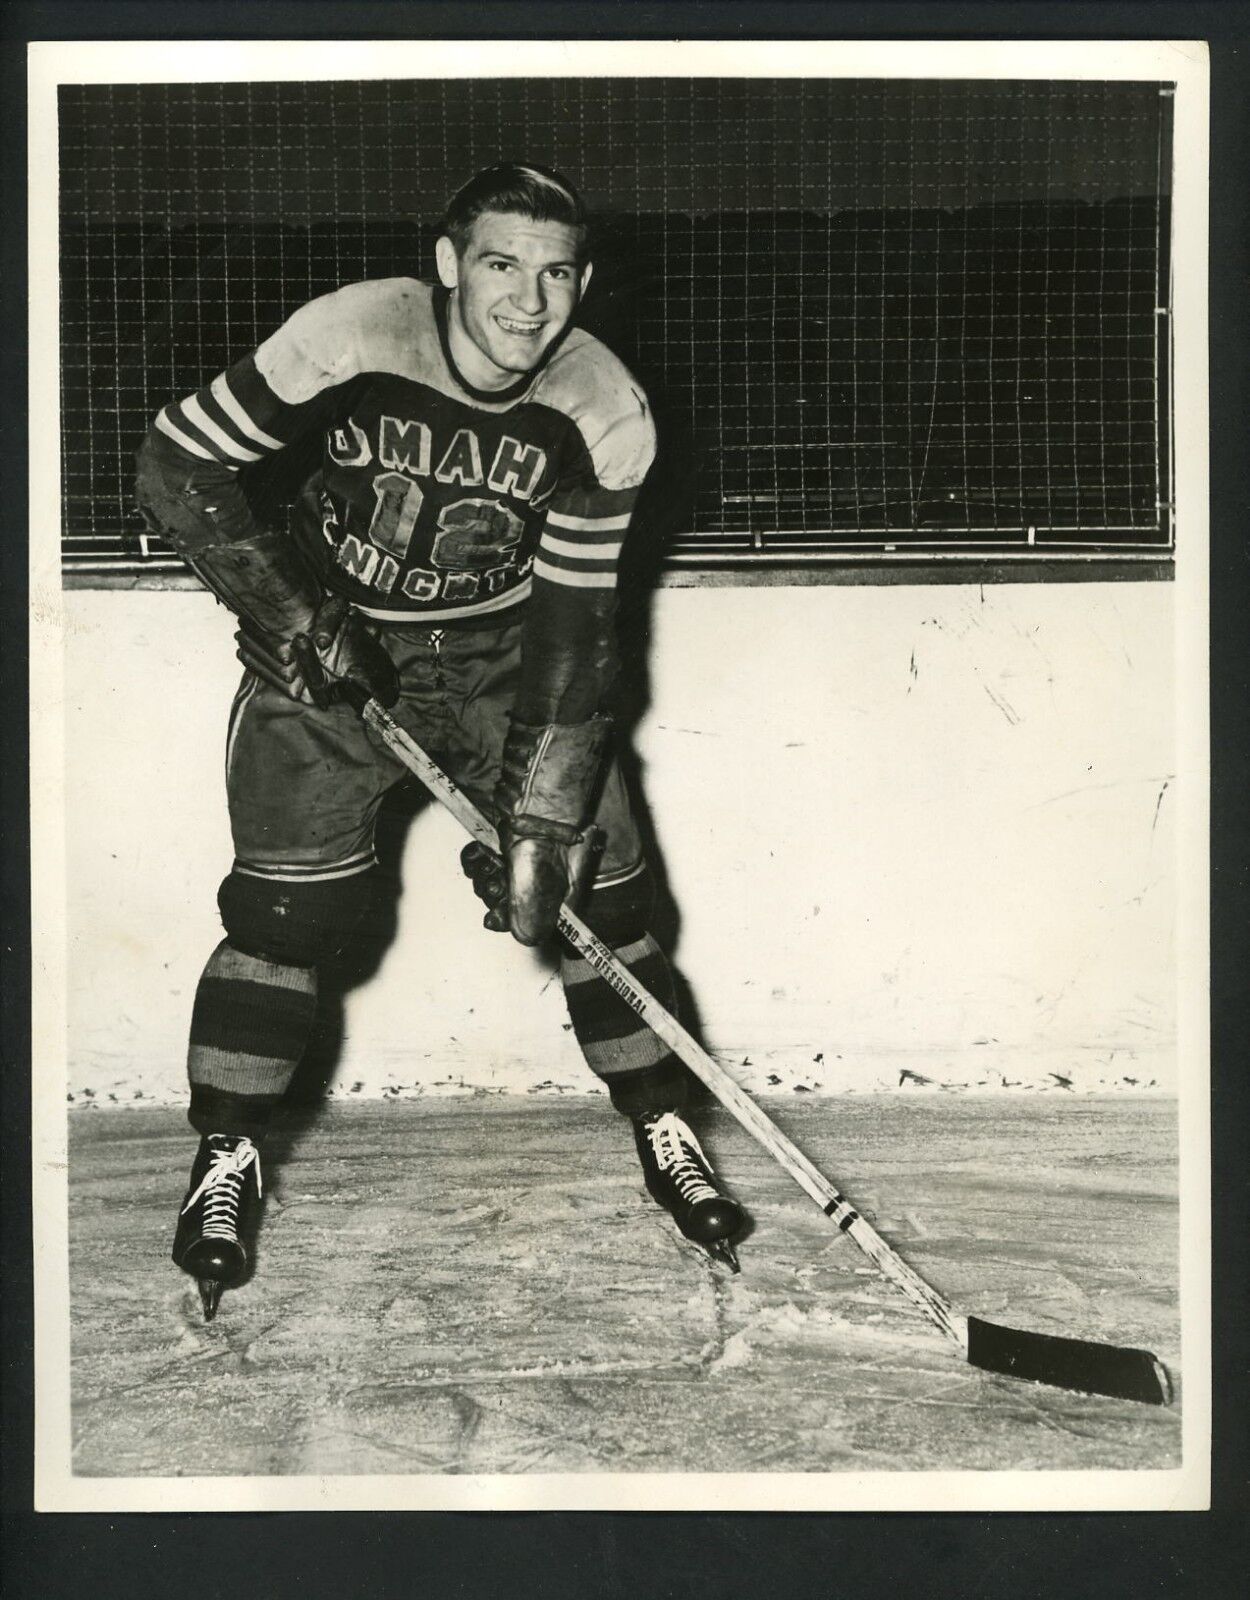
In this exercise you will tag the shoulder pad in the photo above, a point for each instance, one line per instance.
(599, 394)
(377, 326)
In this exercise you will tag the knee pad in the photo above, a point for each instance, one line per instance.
(295, 924)
(619, 913)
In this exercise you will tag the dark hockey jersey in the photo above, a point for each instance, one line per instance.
(434, 501)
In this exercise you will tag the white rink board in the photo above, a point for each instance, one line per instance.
(912, 833)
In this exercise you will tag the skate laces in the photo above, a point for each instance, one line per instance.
(222, 1188)
(678, 1153)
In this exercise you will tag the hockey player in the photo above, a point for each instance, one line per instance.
(455, 557)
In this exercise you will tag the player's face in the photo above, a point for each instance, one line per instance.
(517, 283)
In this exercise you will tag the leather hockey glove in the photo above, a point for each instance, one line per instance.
(337, 661)
(311, 646)
(541, 802)
(291, 630)
(485, 870)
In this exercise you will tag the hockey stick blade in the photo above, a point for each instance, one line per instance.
(1077, 1364)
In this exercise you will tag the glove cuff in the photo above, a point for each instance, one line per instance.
(549, 774)
(265, 581)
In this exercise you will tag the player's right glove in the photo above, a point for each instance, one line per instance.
(337, 660)
(484, 869)
(312, 646)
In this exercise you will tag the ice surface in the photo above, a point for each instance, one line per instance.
(484, 1286)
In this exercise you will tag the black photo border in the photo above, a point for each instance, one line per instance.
(602, 1556)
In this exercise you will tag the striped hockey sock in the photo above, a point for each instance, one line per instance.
(250, 1025)
(641, 1073)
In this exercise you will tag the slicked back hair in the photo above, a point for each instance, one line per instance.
(515, 188)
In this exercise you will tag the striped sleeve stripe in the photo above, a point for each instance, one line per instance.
(251, 389)
(224, 397)
(588, 551)
(167, 426)
(575, 580)
(579, 561)
(562, 519)
(239, 441)
(195, 413)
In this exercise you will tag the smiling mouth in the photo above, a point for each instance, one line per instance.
(522, 327)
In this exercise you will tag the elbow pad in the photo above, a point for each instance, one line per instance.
(194, 505)
(200, 508)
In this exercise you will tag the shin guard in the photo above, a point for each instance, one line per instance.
(250, 1026)
(640, 1071)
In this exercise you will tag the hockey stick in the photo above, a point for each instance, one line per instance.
(1078, 1364)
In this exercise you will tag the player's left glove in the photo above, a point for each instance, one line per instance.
(542, 802)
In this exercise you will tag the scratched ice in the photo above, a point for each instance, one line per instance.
(452, 1287)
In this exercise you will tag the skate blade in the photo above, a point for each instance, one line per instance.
(210, 1293)
(721, 1250)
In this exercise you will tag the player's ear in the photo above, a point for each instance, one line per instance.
(445, 259)
(585, 279)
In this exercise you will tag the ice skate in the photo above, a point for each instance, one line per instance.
(679, 1178)
(216, 1215)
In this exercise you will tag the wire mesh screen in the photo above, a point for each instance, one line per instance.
(926, 316)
